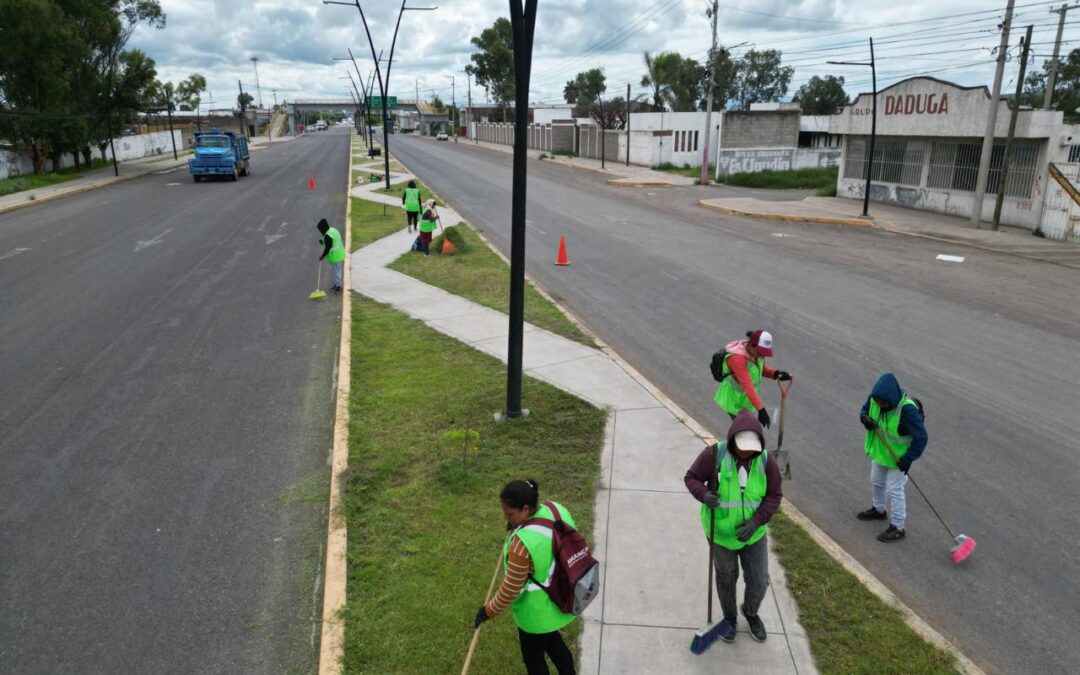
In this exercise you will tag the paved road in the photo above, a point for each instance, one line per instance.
(166, 418)
(989, 345)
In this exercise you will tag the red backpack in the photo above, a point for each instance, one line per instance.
(575, 580)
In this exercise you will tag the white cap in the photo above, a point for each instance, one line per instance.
(748, 441)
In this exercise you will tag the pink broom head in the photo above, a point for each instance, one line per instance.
(960, 552)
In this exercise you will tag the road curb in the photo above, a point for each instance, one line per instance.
(632, 182)
(821, 220)
(332, 634)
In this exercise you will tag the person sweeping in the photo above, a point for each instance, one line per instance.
(528, 561)
(410, 201)
(739, 486)
(900, 420)
(429, 220)
(333, 252)
(743, 366)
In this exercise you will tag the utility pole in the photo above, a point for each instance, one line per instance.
(704, 178)
(991, 120)
(258, 89)
(1051, 77)
(627, 124)
(873, 124)
(243, 111)
(418, 105)
(1012, 129)
(468, 117)
(603, 133)
(453, 102)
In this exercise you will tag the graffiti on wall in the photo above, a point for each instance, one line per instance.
(749, 161)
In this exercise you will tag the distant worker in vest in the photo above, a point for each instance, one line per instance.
(739, 486)
(743, 368)
(333, 252)
(429, 220)
(528, 560)
(895, 438)
(410, 201)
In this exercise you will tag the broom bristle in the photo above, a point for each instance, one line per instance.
(704, 638)
(960, 553)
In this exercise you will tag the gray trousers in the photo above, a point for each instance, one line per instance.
(336, 270)
(755, 563)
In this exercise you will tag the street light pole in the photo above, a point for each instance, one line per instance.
(258, 89)
(453, 104)
(873, 123)
(704, 178)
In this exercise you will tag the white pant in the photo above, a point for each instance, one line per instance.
(890, 483)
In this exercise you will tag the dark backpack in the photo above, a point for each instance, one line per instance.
(716, 365)
(417, 245)
(575, 580)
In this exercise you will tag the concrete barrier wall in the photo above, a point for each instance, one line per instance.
(544, 137)
(14, 163)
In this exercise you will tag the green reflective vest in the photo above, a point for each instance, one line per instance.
(427, 225)
(735, 506)
(412, 199)
(889, 422)
(533, 610)
(337, 249)
(729, 395)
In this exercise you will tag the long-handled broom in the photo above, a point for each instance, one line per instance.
(964, 544)
(710, 632)
(476, 631)
(318, 293)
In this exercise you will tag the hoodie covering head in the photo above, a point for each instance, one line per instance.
(323, 226)
(746, 421)
(887, 389)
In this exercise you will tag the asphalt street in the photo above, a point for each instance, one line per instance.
(989, 345)
(165, 421)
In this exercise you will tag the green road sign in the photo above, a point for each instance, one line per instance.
(376, 102)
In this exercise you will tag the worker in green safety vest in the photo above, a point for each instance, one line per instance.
(333, 252)
(899, 417)
(429, 221)
(739, 486)
(743, 368)
(410, 201)
(528, 562)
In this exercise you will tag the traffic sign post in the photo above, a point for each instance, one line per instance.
(391, 102)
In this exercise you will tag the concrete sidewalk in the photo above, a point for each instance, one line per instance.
(1007, 240)
(621, 174)
(104, 176)
(647, 533)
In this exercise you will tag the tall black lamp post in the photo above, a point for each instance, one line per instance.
(873, 122)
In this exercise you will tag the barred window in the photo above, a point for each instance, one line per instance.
(955, 166)
(1074, 153)
(897, 162)
(1021, 170)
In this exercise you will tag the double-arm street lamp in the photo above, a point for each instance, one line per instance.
(384, 83)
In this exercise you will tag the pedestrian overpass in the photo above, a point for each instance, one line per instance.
(295, 110)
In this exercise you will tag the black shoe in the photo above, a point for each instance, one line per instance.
(336, 289)
(757, 628)
(871, 514)
(891, 534)
(726, 630)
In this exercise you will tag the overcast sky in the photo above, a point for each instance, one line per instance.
(295, 41)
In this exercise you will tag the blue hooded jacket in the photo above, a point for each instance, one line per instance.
(887, 388)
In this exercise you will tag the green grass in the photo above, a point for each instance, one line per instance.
(371, 222)
(685, 170)
(425, 528)
(31, 182)
(399, 189)
(478, 274)
(564, 153)
(800, 179)
(850, 629)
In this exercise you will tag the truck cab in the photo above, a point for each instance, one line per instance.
(219, 153)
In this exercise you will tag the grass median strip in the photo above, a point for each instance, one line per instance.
(850, 629)
(426, 463)
(478, 274)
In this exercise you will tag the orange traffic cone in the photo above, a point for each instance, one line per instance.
(448, 248)
(561, 259)
(311, 182)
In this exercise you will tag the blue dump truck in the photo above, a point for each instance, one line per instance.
(219, 153)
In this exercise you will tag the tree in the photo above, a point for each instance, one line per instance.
(493, 65)
(676, 82)
(725, 80)
(437, 102)
(760, 77)
(189, 91)
(244, 100)
(821, 96)
(1066, 87)
(586, 87)
(612, 115)
(658, 76)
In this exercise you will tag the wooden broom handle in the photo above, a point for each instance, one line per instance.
(476, 631)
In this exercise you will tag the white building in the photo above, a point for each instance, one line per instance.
(928, 145)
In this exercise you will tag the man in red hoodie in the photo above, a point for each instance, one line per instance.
(744, 366)
(739, 486)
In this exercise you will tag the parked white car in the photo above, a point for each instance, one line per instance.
(441, 136)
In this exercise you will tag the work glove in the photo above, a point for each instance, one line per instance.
(481, 616)
(783, 375)
(868, 423)
(904, 464)
(745, 530)
(711, 500)
(763, 417)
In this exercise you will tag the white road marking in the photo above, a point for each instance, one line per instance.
(950, 258)
(151, 242)
(14, 253)
(271, 238)
(172, 184)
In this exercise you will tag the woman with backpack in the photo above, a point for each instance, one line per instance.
(742, 367)
(528, 549)
(429, 220)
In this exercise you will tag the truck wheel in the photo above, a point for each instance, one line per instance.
(198, 179)
(235, 174)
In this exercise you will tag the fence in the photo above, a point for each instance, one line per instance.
(18, 163)
(558, 137)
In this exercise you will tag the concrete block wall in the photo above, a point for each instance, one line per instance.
(589, 142)
(17, 163)
(760, 129)
(544, 137)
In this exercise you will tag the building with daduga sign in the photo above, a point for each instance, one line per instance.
(928, 146)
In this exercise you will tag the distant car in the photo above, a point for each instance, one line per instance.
(441, 136)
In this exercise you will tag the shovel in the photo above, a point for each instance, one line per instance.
(964, 544)
(782, 459)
